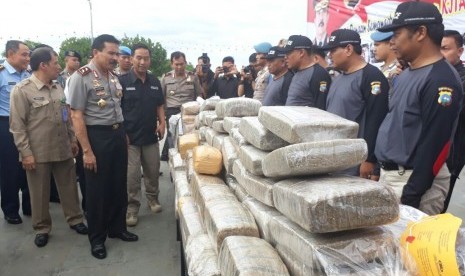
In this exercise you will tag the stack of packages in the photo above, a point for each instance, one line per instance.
(320, 223)
(219, 235)
(282, 164)
(189, 112)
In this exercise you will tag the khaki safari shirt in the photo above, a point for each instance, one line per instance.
(39, 121)
(180, 90)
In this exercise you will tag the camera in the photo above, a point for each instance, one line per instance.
(206, 62)
(225, 69)
(247, 69)
(205, 68)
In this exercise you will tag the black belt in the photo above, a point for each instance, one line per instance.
(393, 166)
(4, 118)
(106, 127)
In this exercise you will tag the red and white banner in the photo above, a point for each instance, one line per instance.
(365, 16)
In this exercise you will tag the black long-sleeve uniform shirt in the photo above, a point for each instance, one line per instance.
(362, 97)
(417, 131)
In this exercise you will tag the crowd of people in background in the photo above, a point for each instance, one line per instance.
(110, 114)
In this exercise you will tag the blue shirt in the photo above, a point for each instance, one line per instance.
(9, 77)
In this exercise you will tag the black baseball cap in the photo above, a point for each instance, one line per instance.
(297, 42)
(413, 13)
(71, 53)
(275, 52)
(342, 38)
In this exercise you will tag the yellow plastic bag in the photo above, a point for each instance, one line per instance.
(187, 142)
(207, 160)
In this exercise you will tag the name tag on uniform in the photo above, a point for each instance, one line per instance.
(11, 83)
(39, 98)
(100, 88)
(154, 87)
(130, 89)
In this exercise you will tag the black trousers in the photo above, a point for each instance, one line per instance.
(106, 192)
(170, 111)
(12, 175)
(81, 177)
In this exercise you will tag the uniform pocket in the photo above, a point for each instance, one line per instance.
(37, 104)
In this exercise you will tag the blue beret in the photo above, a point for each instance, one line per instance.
(125, 51)
(380, 36)
(263, 47)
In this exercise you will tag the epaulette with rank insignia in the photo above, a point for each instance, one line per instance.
(2, 67)
(84, 70)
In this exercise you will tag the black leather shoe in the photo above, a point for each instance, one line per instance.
(41, 240)
(124, 236)
(99, 251)
(81, 228)
(13, 219)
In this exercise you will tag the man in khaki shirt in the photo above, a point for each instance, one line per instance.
(179, 86)
(42, 133)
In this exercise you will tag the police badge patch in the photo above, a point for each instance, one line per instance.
(375, 87)
(445, 96)
(323, 86)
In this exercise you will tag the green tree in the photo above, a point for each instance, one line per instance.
(31, 44)
(190, 67)
(160, 64)
(82, 45)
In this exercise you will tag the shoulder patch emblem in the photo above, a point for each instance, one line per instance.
(323, 86)
(375, 87)
(2, 67)
(445, 96)
(84, 71)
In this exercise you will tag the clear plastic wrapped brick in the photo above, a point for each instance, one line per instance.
(263, 215)
(367, 251)
(213, 192)
(209, 104)
(218, 127)
(227, 217)
(230, 123)
(335, 203)
(252, 158)
(189, 219)
(229, 154)
(315, 158)
(190, 108)
(237, 107)
(201, 257)
(249, 256)
(203, 116)
(259, 187)
(256, 134)
(299, 124)
(237, 189)
(237, 138)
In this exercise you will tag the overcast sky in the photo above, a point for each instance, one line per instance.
(217, 27)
